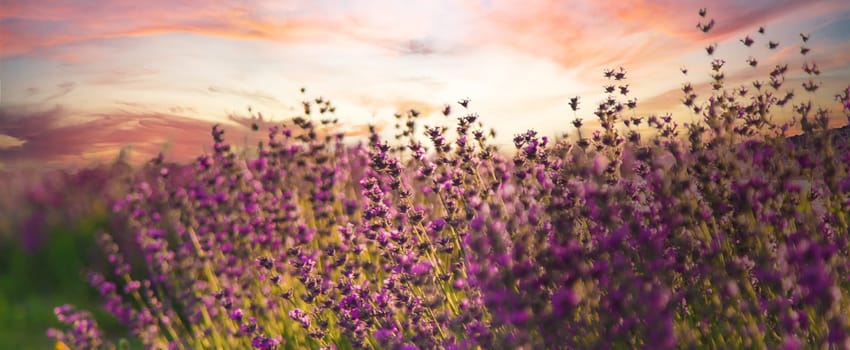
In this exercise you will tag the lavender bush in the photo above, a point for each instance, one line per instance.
(715, 234)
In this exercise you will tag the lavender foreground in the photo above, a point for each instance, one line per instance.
(729, 236)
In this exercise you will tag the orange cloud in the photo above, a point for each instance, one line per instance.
(26, 26)
(400, 105)
(581, 35)
(7, 141)
(678, 18)
(423, 108)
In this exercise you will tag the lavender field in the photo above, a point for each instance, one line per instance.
(631, 230)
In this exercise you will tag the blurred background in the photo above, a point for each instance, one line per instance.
(48, 225)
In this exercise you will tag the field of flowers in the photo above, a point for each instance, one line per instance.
(722, 233)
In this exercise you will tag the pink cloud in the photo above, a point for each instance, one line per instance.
(43, 138)
(48, 141)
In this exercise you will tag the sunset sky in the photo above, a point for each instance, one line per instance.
(83, 78)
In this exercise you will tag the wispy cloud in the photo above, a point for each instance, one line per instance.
(179, 110)
(62, 90)
(417, 47)
(256, 96)
(118, 77)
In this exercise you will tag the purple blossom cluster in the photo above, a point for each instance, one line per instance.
(83, 332)
(721, 234)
